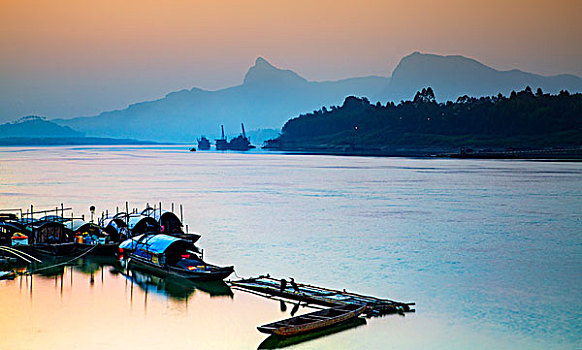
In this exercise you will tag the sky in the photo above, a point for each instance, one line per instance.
(66, 58)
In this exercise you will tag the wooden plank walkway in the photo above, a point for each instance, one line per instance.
(270, 287)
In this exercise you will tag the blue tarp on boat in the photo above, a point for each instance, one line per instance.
(156, 244)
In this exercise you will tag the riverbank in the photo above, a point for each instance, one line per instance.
(574, 154)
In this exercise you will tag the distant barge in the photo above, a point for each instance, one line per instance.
(239, 143)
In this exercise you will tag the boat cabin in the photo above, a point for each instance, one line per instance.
(162, 249)
(141, 224)
(89, 231)
(11, 233)
(48, 232)
(168, 221)
(115, 228)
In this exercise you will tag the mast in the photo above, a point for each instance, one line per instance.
(243, 130)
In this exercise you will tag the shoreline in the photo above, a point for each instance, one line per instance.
(569, 154)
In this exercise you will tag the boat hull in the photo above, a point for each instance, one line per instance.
(313, 321)
(66, 249)
(217, 274)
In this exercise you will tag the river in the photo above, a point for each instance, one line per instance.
(490, 251)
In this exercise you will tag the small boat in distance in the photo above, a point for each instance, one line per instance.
(203, 144)
(313, 321)
(165, 255)
(222, 143)
(241, 142)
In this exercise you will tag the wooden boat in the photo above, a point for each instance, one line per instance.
(313, 321)
(166, 255)
(275, 341)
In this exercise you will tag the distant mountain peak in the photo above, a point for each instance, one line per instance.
(29, 118)
(454, 75)
(265, 73)
(438, 60)
(35, 126)
(263, 63)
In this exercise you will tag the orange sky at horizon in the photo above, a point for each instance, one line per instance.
(142, 49)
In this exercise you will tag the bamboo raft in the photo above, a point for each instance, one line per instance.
(270, 287)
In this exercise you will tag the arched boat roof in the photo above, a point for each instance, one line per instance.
(41, 224)
(135, 219)
(118, 222)
(155, 213)
(11, 226)
(54, 218)
(156, 244)
(77, 225)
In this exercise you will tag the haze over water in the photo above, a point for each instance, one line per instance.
(489, 250)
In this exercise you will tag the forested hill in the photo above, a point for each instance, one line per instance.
(523, 120)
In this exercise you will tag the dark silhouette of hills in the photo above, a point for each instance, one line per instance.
(34, 126)
(523, 120)
(36, 131)
(269, 96)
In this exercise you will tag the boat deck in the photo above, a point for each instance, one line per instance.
(270, 287)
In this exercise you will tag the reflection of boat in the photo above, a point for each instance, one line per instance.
(7, 275)
(177, 288)
(313, 321)
(167, 255)
(275, 341)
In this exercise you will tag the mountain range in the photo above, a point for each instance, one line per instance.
(269, 96)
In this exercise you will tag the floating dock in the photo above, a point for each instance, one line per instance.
(270, 287)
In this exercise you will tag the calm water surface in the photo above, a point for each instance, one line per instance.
(491, 251)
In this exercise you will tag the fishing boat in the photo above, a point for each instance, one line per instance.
(313, 321)
(169, 224)
(241, 142)
(203, 144)
(275, 341)
(222, 143)
(166, 255)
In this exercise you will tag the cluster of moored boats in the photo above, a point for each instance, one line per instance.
(152, 239)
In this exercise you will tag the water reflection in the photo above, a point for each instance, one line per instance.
(276, 342)
(174, 287)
